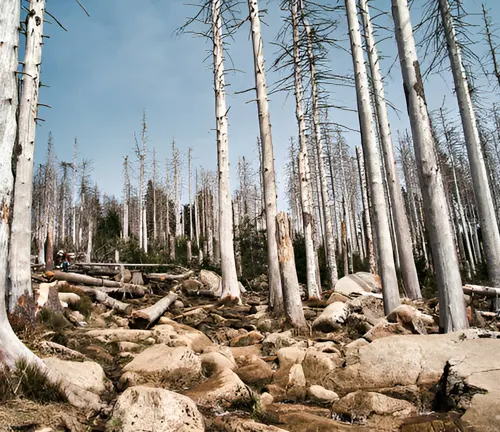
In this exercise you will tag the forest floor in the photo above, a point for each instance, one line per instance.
(356, 370)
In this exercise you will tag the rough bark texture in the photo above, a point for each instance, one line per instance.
(482, 192)
(453, 316)
(20, 240)
(372, 160)
(228, 265)
(290, 283)
(313, 290)
(275, 288)
(401, 226)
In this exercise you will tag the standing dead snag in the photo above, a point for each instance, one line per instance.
(20, 240)
(452, 312)
(288, 272)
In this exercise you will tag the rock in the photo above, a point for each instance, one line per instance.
(234, 424)
(178, 367)
(178, 305)
(69, 298)
(87, 375)
(321, 395)
(337, 297)
(434, 422)
(328, 347)
(320, 367)
(259, 283)
(277, 393)
(385, 329)
(119, 335)
(276, 411)
(358, 343)
(275, 341)
(241, 352)
(290, 355)
(174, 334)
(211, 280)
(194, 317)
(359, 282)
(242, 288)
(297, 421)
(155, 409)
(331, 318)
(76, 318)
(361, 405)
(266, 399)
(410, 318)
(296, 388)
(223, 389)
(190, 286)
(255, 372)
(471, 382)
(128, 347)
(252, 338)
(215, 362)
(408, 360)
(372, 308)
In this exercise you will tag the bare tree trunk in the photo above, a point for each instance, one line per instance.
(145, 229)
(73, 194)
(89, 244)
(155, 230)
(403, 239)
(382, 233)
(126, 199)
(236, 216)
(313, 287)
(482, 192)
(230, 287)
(290, 283)
(141, 154)
(366, 213)
(275, 288)
(451, 302)
(190, 238)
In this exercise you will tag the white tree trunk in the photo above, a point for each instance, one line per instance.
(230, 287)
(89, 243)
(236, 216)
(145, 228)
(275, 289)
(451, 302)
(155, 230)
(313, 289)
(482, 192)
(73, 194)
(403, 238)
(372, 160)
(20, 240)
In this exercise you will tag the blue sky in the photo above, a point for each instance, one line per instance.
(125, 59)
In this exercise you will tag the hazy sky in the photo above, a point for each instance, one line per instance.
(125, 59)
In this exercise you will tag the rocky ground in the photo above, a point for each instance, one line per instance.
(205, 367)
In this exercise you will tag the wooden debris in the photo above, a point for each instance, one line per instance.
(483, 291)
(104, 298)
(163, 277)
(144, 318)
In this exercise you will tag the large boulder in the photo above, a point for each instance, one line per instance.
(235, 424)
(174, 334)
(321, 395)
(406, 360)
(155, 409)
(255, 371)
(290, 355)
(87, 375)
(331, 318)
(221, 390)
(321, 367)
(292, 380)
(177, 367)
(211, 280)
(358, 283)
(215, 361)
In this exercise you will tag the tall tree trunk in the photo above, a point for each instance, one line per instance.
(403, 238)
(73, 193)
(20, 239)
(230, 287)
(126, 199)
(155, 230)
(89, 244)
(190, 210)
(275, 288)
(313, 285)
(237, 248)
(372, 160)
(366, 213)
(145, 230)
(482, 192)
(451, 301)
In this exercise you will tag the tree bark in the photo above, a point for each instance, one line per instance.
(482, 192)
(313, 288)
(403, 238)
(453, 316)
(372, 160)
(290, 283)
(230, 287)
(144, 318)
(275, 288)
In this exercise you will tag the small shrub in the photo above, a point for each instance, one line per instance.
(84, 305)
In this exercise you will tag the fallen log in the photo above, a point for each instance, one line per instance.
(163, 277)
(144, 318)
(105, 299)
(75, 278)
(483, 291)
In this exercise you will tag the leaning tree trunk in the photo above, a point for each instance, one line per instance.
(230, 287)
(20, 239)
(290, 283)
(313, 290)
(372, 159)
(275, 288)
(482, 192)
(330, 252)
(403, 238)
(453, 316)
